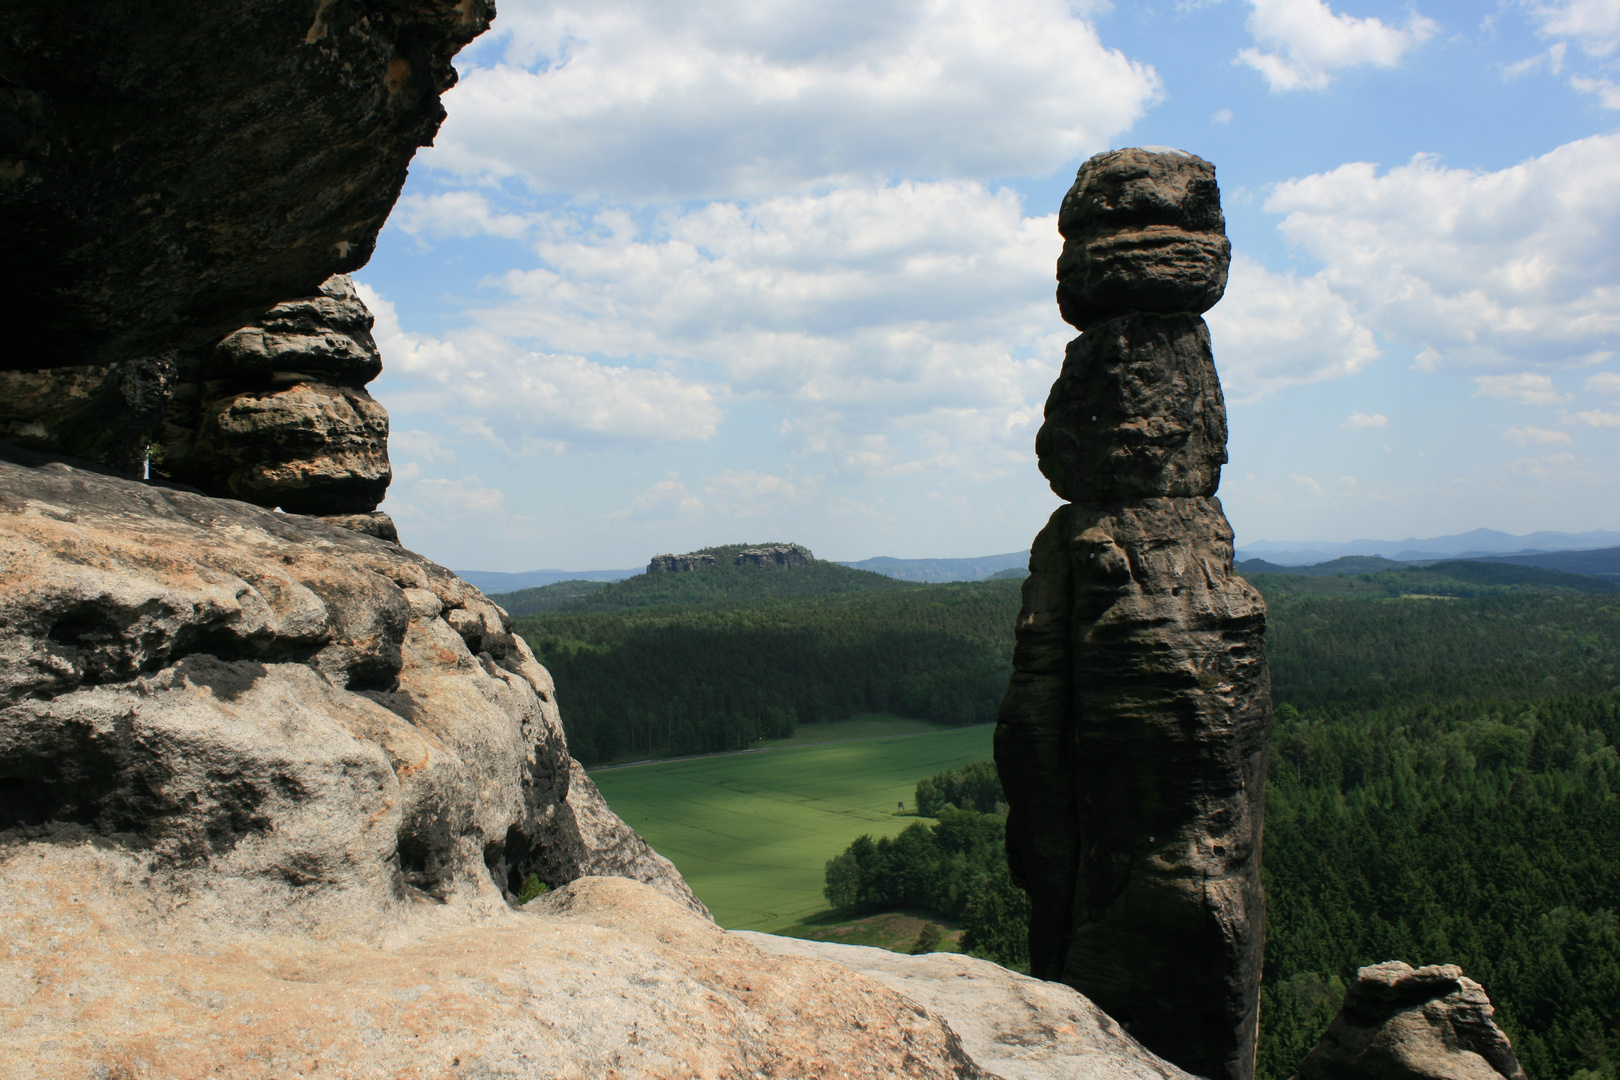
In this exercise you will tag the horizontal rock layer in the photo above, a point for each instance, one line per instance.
(1142, 231)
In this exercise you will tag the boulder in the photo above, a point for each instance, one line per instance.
(1397, 1023)
(276, 413)
(170, 172)
(1142, 231)
(284, 722)
(1132, 739)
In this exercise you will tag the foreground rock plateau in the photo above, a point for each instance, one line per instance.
(605, 979)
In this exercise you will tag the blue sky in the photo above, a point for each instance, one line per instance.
(678, 275)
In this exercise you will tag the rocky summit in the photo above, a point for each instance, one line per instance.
(1132, 739)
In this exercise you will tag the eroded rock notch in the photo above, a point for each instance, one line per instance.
(1131, 743)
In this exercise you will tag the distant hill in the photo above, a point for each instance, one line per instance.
(492, 581)
(1349, 564)
(975, 569)
(1603, 563)
(1478, 543)
(725, 584)
(1452, 577)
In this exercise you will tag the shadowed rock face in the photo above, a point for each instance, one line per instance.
(169, 172)
(277, 414)
(1131, 743)
(1397, 1023)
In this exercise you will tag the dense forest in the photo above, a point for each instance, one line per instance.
(1444, 788)
(716, 659)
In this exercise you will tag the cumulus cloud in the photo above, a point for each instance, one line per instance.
(1604, 382)
(455, 213)
(1362, 421)
(1595, 24)
(1607, 91)
(1274, 330)
(1598, 418)
(1525, 388)
(540, 397)
(1524, 436)
(921, 311)
(644, 99)
(1497, 269)
(1303, 43)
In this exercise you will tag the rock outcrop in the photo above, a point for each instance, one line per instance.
(277, 413)
(108, 413)
(1010, 1025)
(1397, 1023)
(1132, 740)
(168, 173)
(679, 564)
(604, 978)
(283, 723)
(783, 555)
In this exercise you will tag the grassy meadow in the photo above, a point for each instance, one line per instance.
(752, 832)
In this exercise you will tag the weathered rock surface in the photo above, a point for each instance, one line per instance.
(784, 555)
(284, 723)
(1131, 743)
(1011, 1025)
(603, 979)
(276, 413)
(1142, 231)
(1397, 1023)
(108, 413)
(168, 173)
(1136, 413)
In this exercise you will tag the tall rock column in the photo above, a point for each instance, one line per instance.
(1132, 740)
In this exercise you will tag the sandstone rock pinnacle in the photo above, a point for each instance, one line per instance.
(1131, 743)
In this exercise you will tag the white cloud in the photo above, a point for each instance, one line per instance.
(668, 498)
(1362, 422)
(1221, 116)
(646, 99)
(1552, 60)
(1524, 436)
(540, 397)
(455, 213)
(1604, 382)
(1525, 388)
(1548, 467)
(1308, 42)
(1607, 91)
(438, 500)
(918, 311)
(1597, 418)
(747, 493)
(1483, 269)
(1275, 330)
(1594, 23)
(1309, 485)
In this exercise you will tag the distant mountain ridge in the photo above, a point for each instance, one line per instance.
(975, 569)
(1478, 543)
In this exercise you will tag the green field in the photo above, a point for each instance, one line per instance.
(753, 832)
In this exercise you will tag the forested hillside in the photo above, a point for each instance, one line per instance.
(1443, 789)
(715, 659)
